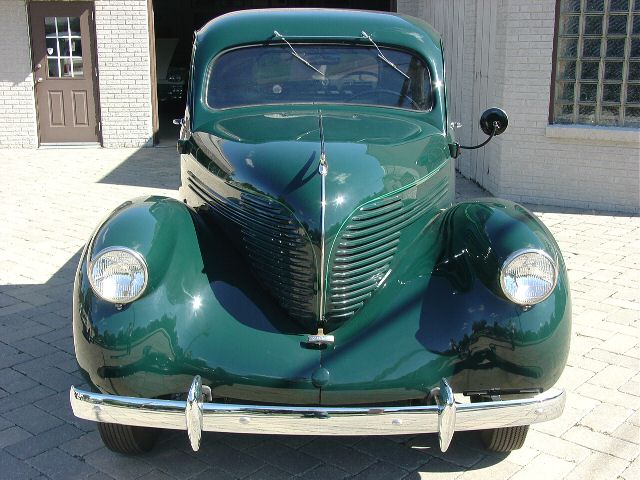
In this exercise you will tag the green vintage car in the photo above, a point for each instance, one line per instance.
(317, 276)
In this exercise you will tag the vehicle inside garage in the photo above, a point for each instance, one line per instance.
(174, 22)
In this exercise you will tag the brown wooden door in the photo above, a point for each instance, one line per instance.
(62, 46)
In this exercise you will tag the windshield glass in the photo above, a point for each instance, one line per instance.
(346, 74)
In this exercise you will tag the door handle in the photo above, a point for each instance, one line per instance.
(39, 80)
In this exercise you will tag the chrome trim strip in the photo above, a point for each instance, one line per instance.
(289, 420)
(323, 169)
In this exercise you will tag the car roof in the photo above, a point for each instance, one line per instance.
(258, 26)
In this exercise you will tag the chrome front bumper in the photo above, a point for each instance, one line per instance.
(195, 415)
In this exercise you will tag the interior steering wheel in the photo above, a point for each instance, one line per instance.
(384, 91)
(360, 74)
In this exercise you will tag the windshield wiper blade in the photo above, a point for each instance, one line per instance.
(382, 57)
(294, 53)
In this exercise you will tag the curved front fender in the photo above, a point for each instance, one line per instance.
(201, 314)
(441, 313)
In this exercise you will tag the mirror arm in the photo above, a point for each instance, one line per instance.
(493, 132)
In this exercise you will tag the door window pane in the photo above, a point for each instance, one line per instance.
(77, 67)
(49, 25)
(65, 67)
(76, 47)
(74, 26)
(53, 70)
(63, 47)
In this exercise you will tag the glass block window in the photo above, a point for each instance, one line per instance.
(597, 74)
(64, 47)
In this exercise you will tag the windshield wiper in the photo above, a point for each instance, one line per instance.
(382, 57)
(294, 53)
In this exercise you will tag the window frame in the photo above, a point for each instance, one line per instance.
(211, 63)
(601, 81)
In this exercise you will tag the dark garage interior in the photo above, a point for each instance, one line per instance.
(174, 22)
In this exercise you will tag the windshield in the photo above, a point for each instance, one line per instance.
(346, 74)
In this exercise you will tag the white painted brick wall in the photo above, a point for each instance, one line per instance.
(18, 126)
(601, 175)
(122, 37)
(525, 165)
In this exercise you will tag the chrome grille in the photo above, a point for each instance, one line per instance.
(276, 245)
(366, 247)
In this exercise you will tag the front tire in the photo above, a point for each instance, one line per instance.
(126, 438)
(504, 440)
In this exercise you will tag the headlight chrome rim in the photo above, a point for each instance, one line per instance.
(133, 253)
(514, 256)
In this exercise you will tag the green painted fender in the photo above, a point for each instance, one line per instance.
(200, 314)
(441, 313)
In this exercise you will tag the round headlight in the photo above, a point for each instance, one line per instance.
(528, 276)
(118, 274)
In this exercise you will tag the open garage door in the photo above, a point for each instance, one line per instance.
(174, 22)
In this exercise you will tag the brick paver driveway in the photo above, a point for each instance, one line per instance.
(50, 200)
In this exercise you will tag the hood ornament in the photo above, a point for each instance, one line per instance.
(320, 338)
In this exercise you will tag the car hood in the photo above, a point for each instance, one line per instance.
(277, 154)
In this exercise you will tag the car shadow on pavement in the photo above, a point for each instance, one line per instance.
(164, 163)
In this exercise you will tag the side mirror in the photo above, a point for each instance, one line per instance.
(494, 118)
(493, 122)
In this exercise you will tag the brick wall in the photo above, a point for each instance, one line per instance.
(122, 37)
(17, 108)
(597, 169)
(585, 173)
